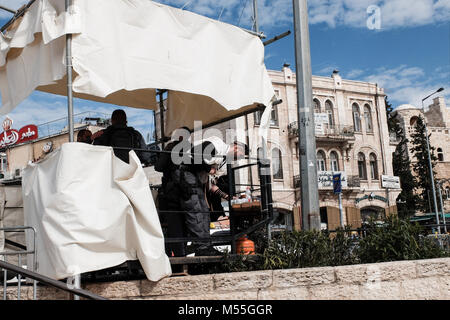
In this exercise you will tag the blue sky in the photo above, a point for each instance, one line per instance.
(408, 55)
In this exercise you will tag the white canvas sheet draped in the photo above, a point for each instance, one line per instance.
(92, 211)
(125, 49)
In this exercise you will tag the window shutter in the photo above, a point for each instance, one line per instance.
(333, 218)
(297, 213)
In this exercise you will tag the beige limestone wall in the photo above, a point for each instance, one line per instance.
(404, 280)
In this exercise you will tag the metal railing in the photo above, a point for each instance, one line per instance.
(297, 181)
(330, 131)
(11, 253)
(48, 281)
(60, 125)
(22, 274)
(352, 182)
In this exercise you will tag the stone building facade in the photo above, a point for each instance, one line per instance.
(437, 117)
(353, 139)
(14, 159)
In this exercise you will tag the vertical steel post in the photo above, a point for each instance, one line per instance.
(161, 118)
(341, 211)
(307, 140)
(19, 278)
(255, 16)
(430, 164)
(5, 279)
(439, 185)
(69, 77)
(231, 218)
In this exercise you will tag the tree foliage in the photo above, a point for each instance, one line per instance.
(407, 199)
(421, 165)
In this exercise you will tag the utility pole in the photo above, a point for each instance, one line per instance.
(307, 139)
(68, 4)
(255, 16)
(430, 165)
(439, 186)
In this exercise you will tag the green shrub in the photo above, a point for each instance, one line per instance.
(392, 240)
(309, 249)
(396, 239)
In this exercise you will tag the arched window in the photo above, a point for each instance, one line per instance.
(440, 154)
(373, 166)
(413, 121)
(316, 104)
(368, 118)
(334, 161)
(321, 165)
(277, 164)
(329, 111)
(356, 118)
(362, 171)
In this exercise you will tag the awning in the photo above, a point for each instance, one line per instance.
(125, 50)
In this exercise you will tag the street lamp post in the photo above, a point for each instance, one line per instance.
(439, 183)
(433, 190)
(305, 111)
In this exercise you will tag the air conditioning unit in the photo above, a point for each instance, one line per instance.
(17, 173)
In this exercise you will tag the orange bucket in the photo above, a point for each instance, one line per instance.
(245, 246)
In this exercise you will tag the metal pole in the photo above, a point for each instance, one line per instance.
(155, 135)
(255, 16)
(433, 190)
(307, 139)
(442, 205)
(9, 10)
(341, 211)
(161, 118)
(69, 77)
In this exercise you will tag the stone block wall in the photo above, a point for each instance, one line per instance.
(404, 280)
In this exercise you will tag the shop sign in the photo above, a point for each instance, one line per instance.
(10, 137)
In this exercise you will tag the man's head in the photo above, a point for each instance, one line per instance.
(181, 134)
(238, 150)
(119, 117)
(84, 135)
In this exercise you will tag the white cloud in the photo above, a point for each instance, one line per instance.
(354, 74)
(409, 85)
(394, 13)
(334, 13)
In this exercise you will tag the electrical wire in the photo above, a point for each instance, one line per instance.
(242, 12)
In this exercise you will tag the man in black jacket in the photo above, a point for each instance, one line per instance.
(169, 195)
(118, 134)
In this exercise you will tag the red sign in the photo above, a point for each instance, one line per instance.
(27, 133)
(11, 136)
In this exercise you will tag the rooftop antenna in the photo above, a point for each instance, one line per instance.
(220, 15)
(185, 5)
(9, 10)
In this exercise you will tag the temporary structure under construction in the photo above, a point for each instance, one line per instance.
(120, 52)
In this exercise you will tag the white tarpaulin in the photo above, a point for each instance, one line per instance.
(125, 49)
(92, 211)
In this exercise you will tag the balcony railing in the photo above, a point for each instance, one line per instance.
(60, 125)
(352, 182)
(297, 181)
(331, 131)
